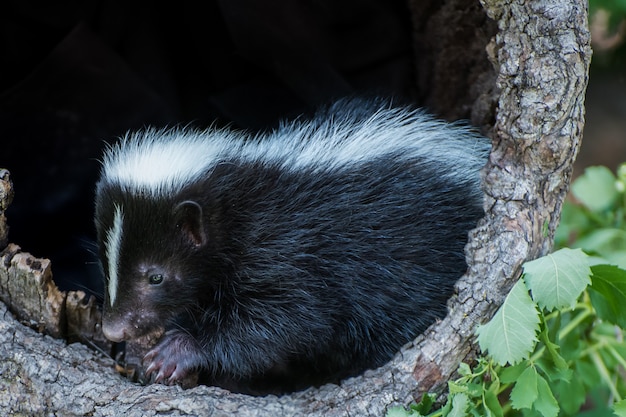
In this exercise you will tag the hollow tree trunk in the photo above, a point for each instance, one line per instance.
(540, 55)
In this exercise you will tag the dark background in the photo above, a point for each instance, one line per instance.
(77, 74)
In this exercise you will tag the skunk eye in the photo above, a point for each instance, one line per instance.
(155, 279)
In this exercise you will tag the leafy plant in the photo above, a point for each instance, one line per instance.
(597, 224)
(556, 345)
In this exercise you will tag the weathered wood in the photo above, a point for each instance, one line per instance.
(6, 196)
(541, 53)
(26, 285)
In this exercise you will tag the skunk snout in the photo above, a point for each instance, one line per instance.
(114, 332)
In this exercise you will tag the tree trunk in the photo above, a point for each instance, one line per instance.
(541, 56)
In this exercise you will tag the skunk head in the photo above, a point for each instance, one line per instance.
(151, 239)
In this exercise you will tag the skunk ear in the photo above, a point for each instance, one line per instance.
(188, 216)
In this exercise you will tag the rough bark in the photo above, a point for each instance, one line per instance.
(6, 196)
(541, 54)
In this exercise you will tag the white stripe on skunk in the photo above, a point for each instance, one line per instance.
(162, 162)
(112, 245)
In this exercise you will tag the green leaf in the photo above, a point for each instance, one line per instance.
(511, 373)
(524, 393)
(546, 404)
(571, 394)
(398, 412)
(512, 333)
(464, 369)
(609, 293)
(456, 388)
(558, 279)
(551, 372)
(460, 402)
(475, 390)
(619, 408)
(553, 349)
(609, 243)
(490, 400)
(424, 406)
(574, 219)
(588, 373)
(596, 188)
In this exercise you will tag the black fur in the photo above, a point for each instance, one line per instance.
(273, 280)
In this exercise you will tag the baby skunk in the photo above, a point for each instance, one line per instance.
(297, 257)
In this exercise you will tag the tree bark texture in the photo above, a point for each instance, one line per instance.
(541, 55)
(6, 196)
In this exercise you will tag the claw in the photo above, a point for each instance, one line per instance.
(159, 378)
(151, 368)
(176, 358)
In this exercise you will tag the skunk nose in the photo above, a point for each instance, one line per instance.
(115, 333)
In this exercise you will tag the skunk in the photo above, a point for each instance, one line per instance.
(290, 258)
